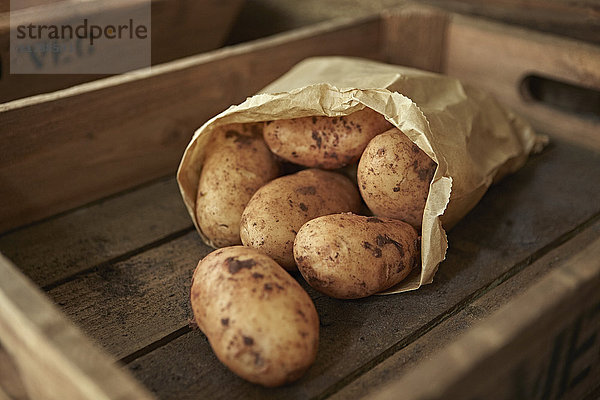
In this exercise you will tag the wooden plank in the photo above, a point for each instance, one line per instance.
(180, 28)
(536, 345)
(576, 19)
(505, 56)
(111, 229)
(11, 385)
(521, 219)
(414, 36)
(67, 148)
(54, 359)
(135, 302)
(425, 347)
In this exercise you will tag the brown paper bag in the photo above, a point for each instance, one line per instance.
(466, 132)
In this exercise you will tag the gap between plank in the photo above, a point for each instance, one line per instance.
(101, 200)
(120, 258)
(518, 267)
(155, 345)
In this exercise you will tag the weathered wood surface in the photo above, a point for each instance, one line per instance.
(135, 302)
(506, 56)
(542, 344)
(103, 137)
(578, 19)
(11, 384)
(415, 37)
(54, 360)
(140, 305)
(426, 346)
(180, 28)
(105, 231)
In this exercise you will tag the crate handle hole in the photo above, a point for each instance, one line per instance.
(563, 96)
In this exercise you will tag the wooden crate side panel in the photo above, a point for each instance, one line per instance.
(414, 36)
(67, 148)
(579, 19)
(11, 384)
(540, 345)
(498, 58)
(54, 360)
(180, 28)
(448, 331)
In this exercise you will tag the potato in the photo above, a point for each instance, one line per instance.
(394, 176)
(324, 142)
(258, 319)
(350, 256)
(237, 163)
(278, 209)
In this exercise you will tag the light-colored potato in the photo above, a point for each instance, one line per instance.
(394, 176)
(258, 319)
(324, 142)
(278, 209)
(350, 256)
(237, 163)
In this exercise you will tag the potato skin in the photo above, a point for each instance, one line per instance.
(278, 209)
(238, 162)
(394, 176)
(259, 321)
(350, 256)
(324, 142)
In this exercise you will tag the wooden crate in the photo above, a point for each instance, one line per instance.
(180, 28)
(513, 310)
(576, 19)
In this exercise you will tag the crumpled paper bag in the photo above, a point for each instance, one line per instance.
(473, 139)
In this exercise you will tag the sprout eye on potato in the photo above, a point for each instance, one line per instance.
(324, 142)
(394, 176)
(278, 209)
(238, 162)
(258, 319)
(350, 256)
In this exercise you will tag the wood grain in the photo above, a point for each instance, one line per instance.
(534, 333)
(67, 148)
(135, 302)
(414, 36)
(426, 346)
(11, 385)
(578, 19)
(54, 359)
(86, 237)
(180, 28)
(498, 58)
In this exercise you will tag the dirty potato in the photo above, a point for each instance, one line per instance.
(258, 319)
(394, 176)
(324, 142)
(237, 163)
(278, 209)
(350, 256)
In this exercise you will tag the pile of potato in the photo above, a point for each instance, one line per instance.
(258, 319)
